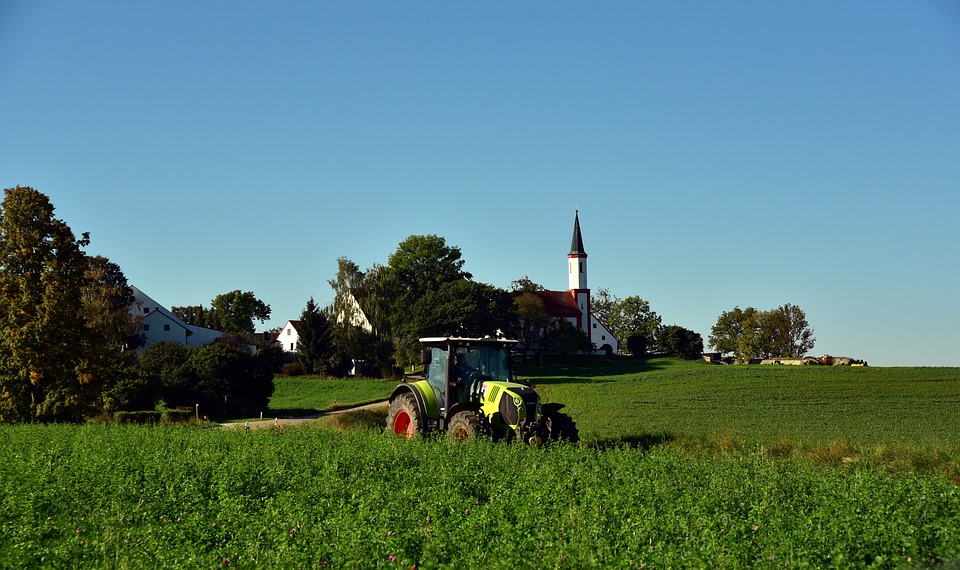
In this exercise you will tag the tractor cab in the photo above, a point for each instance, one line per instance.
(464, 364)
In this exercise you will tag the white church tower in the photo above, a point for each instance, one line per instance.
(577, 276)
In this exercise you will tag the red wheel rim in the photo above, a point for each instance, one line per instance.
(402, 424)
(461, 434)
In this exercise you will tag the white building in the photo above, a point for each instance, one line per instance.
(289, 337)
(157, 324)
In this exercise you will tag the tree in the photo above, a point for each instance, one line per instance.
(461, 308)
(224, 379)
(792, 336)
(602, 304)
(532, 320)
(315, 345)
(420, 265)
(360, 299)
(679, 342)
(113, 332)
(749, 333)
(564, 338)
(526, 285)
(44, 373)
(633, 317)
(637, 345)
(232, 312)
(192, 315)
(236, 311)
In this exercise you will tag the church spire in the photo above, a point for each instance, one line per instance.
(577, 259)
(576, 245)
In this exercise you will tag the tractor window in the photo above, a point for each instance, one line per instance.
(437, 373)
(482, 362)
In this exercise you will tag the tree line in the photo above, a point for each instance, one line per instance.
(71, 348)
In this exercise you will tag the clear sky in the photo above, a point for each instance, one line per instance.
(721, 154)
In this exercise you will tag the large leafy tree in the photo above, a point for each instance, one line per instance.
(113, 332)
(633, 317)
(61, 315)
(750, 333)
(677, 341)
(235, 312)
(232, 312)
(461, 308)
(423, 288)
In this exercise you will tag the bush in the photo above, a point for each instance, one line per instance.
(137, 417)
(177, 416)
(677, 341)
(291, 369)
(224, 380)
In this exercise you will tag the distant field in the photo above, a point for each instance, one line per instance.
(887, 413)
(298, 396)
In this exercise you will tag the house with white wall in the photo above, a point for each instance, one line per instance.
(289, 337)
(157, 324)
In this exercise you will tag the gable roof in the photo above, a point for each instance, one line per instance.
(558, 304)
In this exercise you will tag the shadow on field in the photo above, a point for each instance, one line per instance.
(580, 369)
(292, 412)
(644, 441)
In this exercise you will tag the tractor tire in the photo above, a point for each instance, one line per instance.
(466, 426)
(403, 418)
(561, 427)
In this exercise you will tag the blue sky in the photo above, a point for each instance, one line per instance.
(721, 154)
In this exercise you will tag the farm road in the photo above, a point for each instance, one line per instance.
(276, 422)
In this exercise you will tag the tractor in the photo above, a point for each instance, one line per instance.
(468, 391)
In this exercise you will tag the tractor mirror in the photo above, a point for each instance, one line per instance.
(425, 356)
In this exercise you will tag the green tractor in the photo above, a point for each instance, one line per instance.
(469, 391)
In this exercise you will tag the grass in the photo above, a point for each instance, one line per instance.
(304, 396)
(684, 465)
(105, 496)
(900, 418)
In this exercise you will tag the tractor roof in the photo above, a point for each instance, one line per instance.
(462, 341)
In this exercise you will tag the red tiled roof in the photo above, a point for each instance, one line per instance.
(558, 304)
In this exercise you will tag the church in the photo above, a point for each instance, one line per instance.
(573, 304)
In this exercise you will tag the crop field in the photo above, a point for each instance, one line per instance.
(667, 477)
(885, 415)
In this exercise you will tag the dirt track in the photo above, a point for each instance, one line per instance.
(277, 422)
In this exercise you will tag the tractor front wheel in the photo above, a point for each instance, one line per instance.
(467, 425)
(403, 418)
(561, 427)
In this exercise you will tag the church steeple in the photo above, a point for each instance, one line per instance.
(577, 259)
(576, 245)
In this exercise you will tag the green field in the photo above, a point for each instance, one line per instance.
(296, 396)
(883, 415)
(683, 465)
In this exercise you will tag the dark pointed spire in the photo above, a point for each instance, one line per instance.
(576, 245)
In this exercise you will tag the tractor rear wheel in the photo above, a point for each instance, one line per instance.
(467, 425)
(403, 418)
(561, 427)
